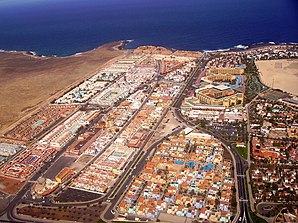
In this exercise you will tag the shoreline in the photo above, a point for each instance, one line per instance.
(20, 62)
(122, 45)
(254, 46)
(47, 77)
(117, 45)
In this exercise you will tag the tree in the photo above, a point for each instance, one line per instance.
(217, 202)
(192, 193)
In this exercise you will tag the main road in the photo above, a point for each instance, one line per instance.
(136, 165)
(241, 164)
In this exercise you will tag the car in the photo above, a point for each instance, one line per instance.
(108, 200)
(112, 211)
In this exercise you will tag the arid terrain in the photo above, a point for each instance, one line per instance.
(10, 185)
(281, 74)
(29, 81)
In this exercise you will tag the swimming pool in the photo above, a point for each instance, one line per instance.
(238, 82)
(32, 159)
(179, 162)
(74, 128)
(38, 123)
(207, 167)
(190, 164)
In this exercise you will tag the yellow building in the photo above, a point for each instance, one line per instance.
(219, 95)
(237, 71)
(220, 77)
(64, 175)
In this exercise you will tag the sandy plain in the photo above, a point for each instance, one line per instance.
(28, 81)
(280, 74)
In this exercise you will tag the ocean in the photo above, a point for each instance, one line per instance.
(65, 27)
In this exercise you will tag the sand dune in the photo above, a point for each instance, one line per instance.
(281, 74)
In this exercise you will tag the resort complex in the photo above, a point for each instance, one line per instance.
(158, 135)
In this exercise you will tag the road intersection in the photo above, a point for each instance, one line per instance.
(113, 196)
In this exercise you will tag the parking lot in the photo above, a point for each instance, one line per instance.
(230, 131)
(63, 161)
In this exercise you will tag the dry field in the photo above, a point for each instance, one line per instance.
(29, 81)
(61, 214)
(9, 185)
(282, 74)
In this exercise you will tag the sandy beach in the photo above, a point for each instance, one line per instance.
(28, 81)
(280, 74)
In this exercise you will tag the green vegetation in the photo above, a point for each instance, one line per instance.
(242, 151)
(256, 218)
(253, 84)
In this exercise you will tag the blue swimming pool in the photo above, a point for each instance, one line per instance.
(73, 129)
(32, 159)
(38, 123)
(190, 164)
(238, 82)
(207, 167)
(179, 162)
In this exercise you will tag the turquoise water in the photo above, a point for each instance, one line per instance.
(190, 164)
(238, 82)
(207, 167)
(179, 162)
(74, 128)
(38, 123)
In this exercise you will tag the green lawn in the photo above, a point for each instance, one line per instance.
(242, 151)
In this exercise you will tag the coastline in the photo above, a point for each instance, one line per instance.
(260, 45)
(117, 45)
(29, 81)
(22, 74)
(124, 45)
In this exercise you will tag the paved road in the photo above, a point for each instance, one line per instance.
(134, 170)
(47, 201)
(110, 212)
(136, 165)
(241, 164)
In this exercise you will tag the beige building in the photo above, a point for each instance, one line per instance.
(219, 77)
(219, 95)
(237, 71)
